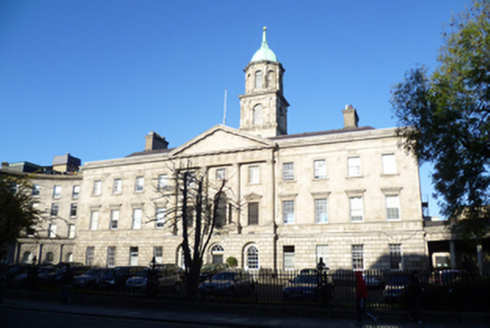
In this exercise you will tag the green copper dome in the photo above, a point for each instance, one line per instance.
(264, 53)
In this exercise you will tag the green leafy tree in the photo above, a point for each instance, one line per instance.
(445, 118)
(16, 213)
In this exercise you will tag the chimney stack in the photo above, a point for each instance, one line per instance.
(154, 141)
(350, 117)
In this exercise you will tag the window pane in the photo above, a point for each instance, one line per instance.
(389, 163)
(54, 209)
(94, 220)
(57, 192)
(158, 254)
(288, 211)
(220, 174)
(139, 184)
(36, 190)
(76, 192)
(253, 213)
(97, 188)
(73, 209)
(89, 256)
(117, 188)
(162, 181)
(254, 174)
(357, 257)
(71, 231)
(321, 210)
(114, 219)
(160, 220)
(52, 231)
(252, 258)
(320, 168)
(356, 213)
(354, 166)
(322, 252)
(392, 207)
(395, 256)
(259, 79)
(288, 171)
(133, 256)
(288, 252)
(137, 213)
(111, 256)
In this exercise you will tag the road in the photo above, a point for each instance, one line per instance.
(20, 318)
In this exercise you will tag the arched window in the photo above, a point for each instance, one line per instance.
(217, 252)
(49, 257)
(259, 79)
(257, 118)
(26, 257)
(252, 258)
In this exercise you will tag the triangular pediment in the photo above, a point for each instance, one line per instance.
(221, 139)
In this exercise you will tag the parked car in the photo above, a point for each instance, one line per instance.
(90, 278)
(167, 276)
(395, 285)
(116, 277)
(229, 283)
(445, 277)
(309, 285)
(374, 281)
(53, 277)
(209, 270)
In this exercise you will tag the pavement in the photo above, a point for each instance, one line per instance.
(231, 315)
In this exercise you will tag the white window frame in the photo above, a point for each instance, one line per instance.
(253, 174)
(321, 211)
(133, 255)
(357, 252)
(114, 224)
(396, 256)
(94, 220)
(288, 171)
(162, 182)
(392, 203)
(52, 230)
(73, 210)
(139, 184)
(160, 218)
(288, 257)
(356, 210)
(320, 169)
(71, 231)
(117, 186)
(57, 191)
(322, 252)
(36, 190)
(111, 256)
(389, 163)
(158, 254)
(89, 255)
(252, 258)
(55, 209)
(75, 194)
(288, 211)
(137, 218)
(97, 188)
(221, 174)
(217, 252)
(354, 166)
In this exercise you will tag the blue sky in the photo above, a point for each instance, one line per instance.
(92, 78)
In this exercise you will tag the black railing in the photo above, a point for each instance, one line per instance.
(441, 290)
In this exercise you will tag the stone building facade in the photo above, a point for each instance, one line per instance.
(349, 196)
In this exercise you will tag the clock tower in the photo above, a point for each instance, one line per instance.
(263, 108)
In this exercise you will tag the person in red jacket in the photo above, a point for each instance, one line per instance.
(361, 296)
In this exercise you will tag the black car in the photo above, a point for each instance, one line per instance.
(209, 270)
(116, 277)
(90, 278)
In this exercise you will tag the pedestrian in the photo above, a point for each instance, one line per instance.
(66, 281)
(361, 296)
(415, 291)
(320, 266)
